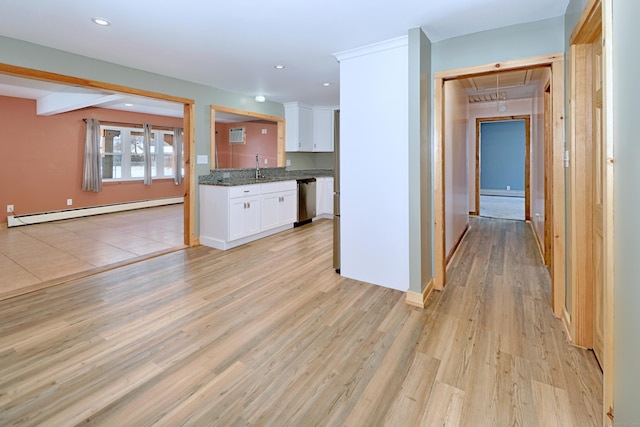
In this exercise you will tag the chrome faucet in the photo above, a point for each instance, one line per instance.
(257, 167)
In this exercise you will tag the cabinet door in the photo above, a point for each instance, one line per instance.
(305, 142)
(244, 217)
(252, 217)
(270, 209)
(322, 129)
(288, 208)
(237, 208)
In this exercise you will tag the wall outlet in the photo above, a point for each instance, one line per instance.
(508, 187)
(69, 202)
(264, 131)
(288, 162)
(266, 161)
(9, 208)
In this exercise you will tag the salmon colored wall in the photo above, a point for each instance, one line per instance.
(42, 160)
(537, 161)
(244, 155)
(456, 183)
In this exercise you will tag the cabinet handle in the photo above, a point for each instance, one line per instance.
(246, 191)
(249, 205)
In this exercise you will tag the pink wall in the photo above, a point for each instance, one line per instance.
(42, 160)
(456, 182)
(244, 155)
(537, 161)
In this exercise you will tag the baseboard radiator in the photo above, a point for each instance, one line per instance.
(16, 220)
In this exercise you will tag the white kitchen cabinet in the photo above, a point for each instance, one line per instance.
(323, 129)
(232, 216)
(278, 204)
(244, 217)
(298, 127)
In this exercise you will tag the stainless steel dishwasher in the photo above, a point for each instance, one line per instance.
(306, 201)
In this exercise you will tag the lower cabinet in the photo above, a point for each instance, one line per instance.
(244, 217)
(232, 216)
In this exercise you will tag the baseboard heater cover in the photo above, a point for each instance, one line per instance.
(13, 220)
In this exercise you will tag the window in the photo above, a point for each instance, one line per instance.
(122, 151)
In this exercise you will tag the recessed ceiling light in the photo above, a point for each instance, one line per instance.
(128, 104)
(101, 21)
(326, 84)
(279, 67)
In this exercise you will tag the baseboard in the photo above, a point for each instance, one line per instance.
(566, 321)
(455, 246)
(498, 192)
(535, 233)
(419, 299)
(13, 220)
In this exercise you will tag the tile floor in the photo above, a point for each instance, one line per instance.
(502, 207)
(35, 256)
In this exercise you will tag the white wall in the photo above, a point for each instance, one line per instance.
(374, 164)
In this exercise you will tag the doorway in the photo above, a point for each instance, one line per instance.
(502, 167)
(555, 70)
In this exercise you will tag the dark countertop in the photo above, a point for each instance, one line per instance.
(235, 177)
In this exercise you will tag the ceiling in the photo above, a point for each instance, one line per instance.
(235, 45)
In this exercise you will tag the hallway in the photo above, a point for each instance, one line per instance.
(268, 334)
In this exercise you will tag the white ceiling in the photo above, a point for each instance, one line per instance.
(234, 45)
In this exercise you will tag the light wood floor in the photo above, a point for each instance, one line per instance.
(41, 255)
(268, 334)
(502, 207)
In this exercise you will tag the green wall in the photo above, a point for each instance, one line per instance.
(29, 55)
(626, 293)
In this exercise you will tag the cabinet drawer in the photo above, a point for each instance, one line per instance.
(244, 190)
(276, 187)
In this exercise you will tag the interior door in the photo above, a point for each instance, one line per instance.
(598, 179)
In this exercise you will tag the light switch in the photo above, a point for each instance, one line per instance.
(202, 159)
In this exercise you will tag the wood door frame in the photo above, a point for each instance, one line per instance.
(580, 321)
(188, 128)
(527, 159)
(281, 156)
(556, 64)
(548, 189)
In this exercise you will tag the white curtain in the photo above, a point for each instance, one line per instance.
(92, 172)
(147, 154)
(177, 156)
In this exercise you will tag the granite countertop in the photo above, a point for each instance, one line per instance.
(234, 177)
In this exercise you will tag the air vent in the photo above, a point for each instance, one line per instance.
(236, 135)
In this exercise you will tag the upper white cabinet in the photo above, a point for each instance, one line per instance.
(299, 127)
(308, 129)
(323, 129)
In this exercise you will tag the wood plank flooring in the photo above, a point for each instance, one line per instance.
(268, 334)
(41, 255)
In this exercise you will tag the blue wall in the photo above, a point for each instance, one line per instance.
(502, 155)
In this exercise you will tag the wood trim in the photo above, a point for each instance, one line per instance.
(76, 81)
(558, 185)
(589, 24)
(527, 159)
(516, 64)
(439, 202)
(188, 123)
(133, 125)
(608, 196)
(556, 61)
(190, 176)
(420, 299)
(548, 168)
(280, 125)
